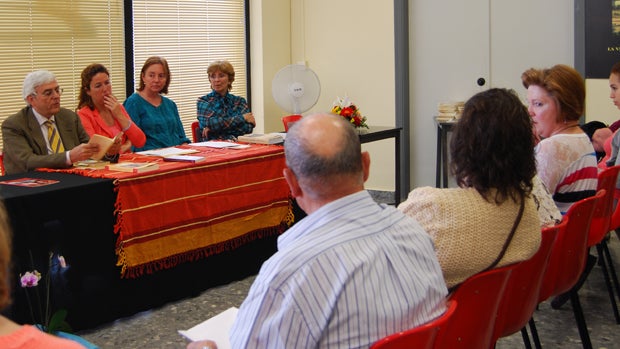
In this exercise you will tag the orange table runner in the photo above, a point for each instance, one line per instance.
(187, 211)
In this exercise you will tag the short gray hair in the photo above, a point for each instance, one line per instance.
(305, 162)
(35, 79)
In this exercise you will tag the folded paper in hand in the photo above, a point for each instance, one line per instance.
(215, 329)
(104, 144)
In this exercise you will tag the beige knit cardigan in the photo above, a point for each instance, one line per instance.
(469, 232)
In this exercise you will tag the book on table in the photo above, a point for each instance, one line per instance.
(104, 144)
(262, 138)
(134, 167)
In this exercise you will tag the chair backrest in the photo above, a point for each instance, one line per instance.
(603, 210)
(478, 298)
(568, 254)
(195, 126)
(420, 337)
(289, 120)
(521, 296)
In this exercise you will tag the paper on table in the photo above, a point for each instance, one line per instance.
(163, 152)
(215, 329)
(220, 144)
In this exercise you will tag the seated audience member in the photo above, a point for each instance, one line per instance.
(612, 144)
(13, 335)
(603, 137)
(490, 220)
(565, 157)
(352, 271)
(156, 115)
(101, 113)
(27, 135)
(598, 132)
(221, 114)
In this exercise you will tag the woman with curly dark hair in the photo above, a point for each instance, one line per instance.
(491, 219)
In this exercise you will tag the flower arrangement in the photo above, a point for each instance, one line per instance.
(348, 110)
(50, 323)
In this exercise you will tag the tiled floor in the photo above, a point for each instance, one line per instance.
(157, 328)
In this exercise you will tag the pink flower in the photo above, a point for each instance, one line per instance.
(30, 279)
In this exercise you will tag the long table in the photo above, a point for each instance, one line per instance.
(168, 233)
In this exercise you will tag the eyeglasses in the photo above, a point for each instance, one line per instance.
(48, 93)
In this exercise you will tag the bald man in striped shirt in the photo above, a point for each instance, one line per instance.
(351, 272)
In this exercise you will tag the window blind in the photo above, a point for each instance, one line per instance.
(190, 34)
(63, 37)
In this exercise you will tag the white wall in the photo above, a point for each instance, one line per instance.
(453, 43)
(349, 44)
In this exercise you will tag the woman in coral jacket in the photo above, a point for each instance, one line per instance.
(101, 113)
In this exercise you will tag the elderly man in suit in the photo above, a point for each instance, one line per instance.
(43, 134)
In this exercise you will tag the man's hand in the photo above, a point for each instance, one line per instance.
(82, 152)
(205, 344)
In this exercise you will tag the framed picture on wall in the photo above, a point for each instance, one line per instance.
(602, 37)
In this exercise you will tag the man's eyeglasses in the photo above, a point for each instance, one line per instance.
(48, 93)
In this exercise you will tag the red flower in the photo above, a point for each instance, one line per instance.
(347, 112)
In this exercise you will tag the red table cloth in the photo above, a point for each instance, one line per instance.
(186, 211)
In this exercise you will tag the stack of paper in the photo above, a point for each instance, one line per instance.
(449, 110)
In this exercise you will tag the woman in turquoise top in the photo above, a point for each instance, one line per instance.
(156, 115)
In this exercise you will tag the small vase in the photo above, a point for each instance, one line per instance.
(361, 130)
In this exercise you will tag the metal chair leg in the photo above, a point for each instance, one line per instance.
(612, 268)
(526, 338)
(605, 261)
(534, 333)
(581, 321)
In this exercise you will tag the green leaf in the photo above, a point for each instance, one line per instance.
(58, 323)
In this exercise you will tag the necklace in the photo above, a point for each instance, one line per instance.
(564, 129)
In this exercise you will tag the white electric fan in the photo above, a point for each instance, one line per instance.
(295, 88)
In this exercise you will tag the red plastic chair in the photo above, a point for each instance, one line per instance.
(195, 127)
(521, 296)
(478, 298)
(600, 227)
(289, 120)
(567, 261)
(421, 337)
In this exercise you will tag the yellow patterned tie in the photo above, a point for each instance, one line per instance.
(54, 137)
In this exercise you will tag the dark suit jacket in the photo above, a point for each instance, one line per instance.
(24, 146)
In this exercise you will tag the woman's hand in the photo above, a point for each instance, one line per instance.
(126, 147)
(249, 117)
(205, 132)
(114, 106)
(115, 148)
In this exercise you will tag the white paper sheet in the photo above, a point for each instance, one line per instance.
(163, 152)
(215, 329)
(220, 144)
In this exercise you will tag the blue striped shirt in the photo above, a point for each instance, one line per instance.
(345, 276)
